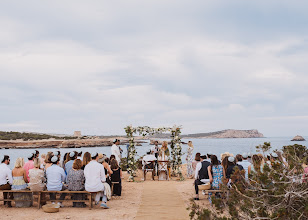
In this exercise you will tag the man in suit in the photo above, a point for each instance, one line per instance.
(201, 174)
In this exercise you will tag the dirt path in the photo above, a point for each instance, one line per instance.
(161, 200)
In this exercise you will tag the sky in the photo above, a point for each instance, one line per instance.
(98, 66)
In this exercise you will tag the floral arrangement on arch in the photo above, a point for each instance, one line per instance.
(176, 148)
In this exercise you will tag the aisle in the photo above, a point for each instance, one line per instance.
(161, 200)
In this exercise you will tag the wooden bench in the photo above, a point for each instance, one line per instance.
(39, 193)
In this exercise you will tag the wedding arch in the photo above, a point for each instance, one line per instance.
(176, 147)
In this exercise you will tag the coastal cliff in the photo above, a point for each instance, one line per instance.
(229, 133)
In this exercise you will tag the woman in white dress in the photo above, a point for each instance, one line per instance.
(163, 173)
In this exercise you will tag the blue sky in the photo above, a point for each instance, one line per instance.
(98, 66)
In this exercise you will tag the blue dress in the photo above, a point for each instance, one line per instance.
(217, 171)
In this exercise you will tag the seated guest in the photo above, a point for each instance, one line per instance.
(29, 165)
(201, 174)
(102, 160)
(86, 159)
(305, 174)
(36, 154)
(216, 174)
(20, 183)
(112, 157)
(196, 161)
(148, 162)
(6, 179)
(75, 181)
(55, 178)
(231, 168)
(42, 161)
(48, 162)
(69, 164)
(95, 177)
(258, 163)
(37, 177)
(116, 177)
(245, 164)
(79, 155)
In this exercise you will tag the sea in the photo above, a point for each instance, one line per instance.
(203, 146)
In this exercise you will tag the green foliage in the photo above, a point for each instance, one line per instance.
(124, 163)
(11, 135)
(275, 192)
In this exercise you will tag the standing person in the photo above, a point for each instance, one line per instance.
(246, 165)
(29, 165)
(55, 178)
(189, 160)
(115, 150)
(163, 156)
(6, 179)
(95, 178)
(216, 173)
(75, 182)
(20, 181)
(116, 177)
(155, 150)
(201, 174)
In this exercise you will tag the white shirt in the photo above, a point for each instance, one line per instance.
(95, 176)
(198, 168)
(155, 149)
(116, 152)
(5, 174)
(147, 158)
(245, 164)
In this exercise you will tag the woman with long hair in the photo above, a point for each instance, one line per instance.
(86, 159)
(163, 166)
(189, 160)
(216, 174)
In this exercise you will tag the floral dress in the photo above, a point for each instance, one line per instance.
(189, 159)
(217, 171)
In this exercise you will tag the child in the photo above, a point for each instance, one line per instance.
(116, 177)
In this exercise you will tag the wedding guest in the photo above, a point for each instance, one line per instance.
(102, 160)
(42, 161)
(69, 164)
(64, 160)
(238, 158)
(6, 179)
(55, 178)
(20, 180)
(155, 150)
(37, 177)
(116, 177)
(86, 159)
(224, 163)
(115, 150)
(216, 174)
(29, 165)
(201, 174)
(112, 157)
(95, 177)
(189, 160)
(148, 162)
(48, 162)
(79, 155)
(257, 163)
(196, 161)
(231, 168)
(36, 154)
(246, 165)
(75, 181)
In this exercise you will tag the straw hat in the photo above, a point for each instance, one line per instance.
(51, 208)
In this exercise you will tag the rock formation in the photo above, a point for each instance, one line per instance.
(298, 138)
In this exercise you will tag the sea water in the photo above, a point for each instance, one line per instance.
(203, 146)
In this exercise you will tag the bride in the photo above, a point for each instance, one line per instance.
(164, 154)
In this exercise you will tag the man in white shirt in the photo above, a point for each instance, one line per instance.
(201, 174)
(115, 150)
(6, 179)
(148, 162)
(245, 164)
(95, 177)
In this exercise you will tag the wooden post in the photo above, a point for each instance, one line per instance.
(90, 200)
(39, 200)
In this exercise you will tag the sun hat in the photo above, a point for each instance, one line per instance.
(94, 154)
(245, 155)
(55, 153)
(72, 154)
(30, 155)
(231, 159)
(54, 159)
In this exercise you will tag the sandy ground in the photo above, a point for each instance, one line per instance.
(139, 200)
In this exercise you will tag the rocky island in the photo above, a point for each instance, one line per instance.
(298, 138)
